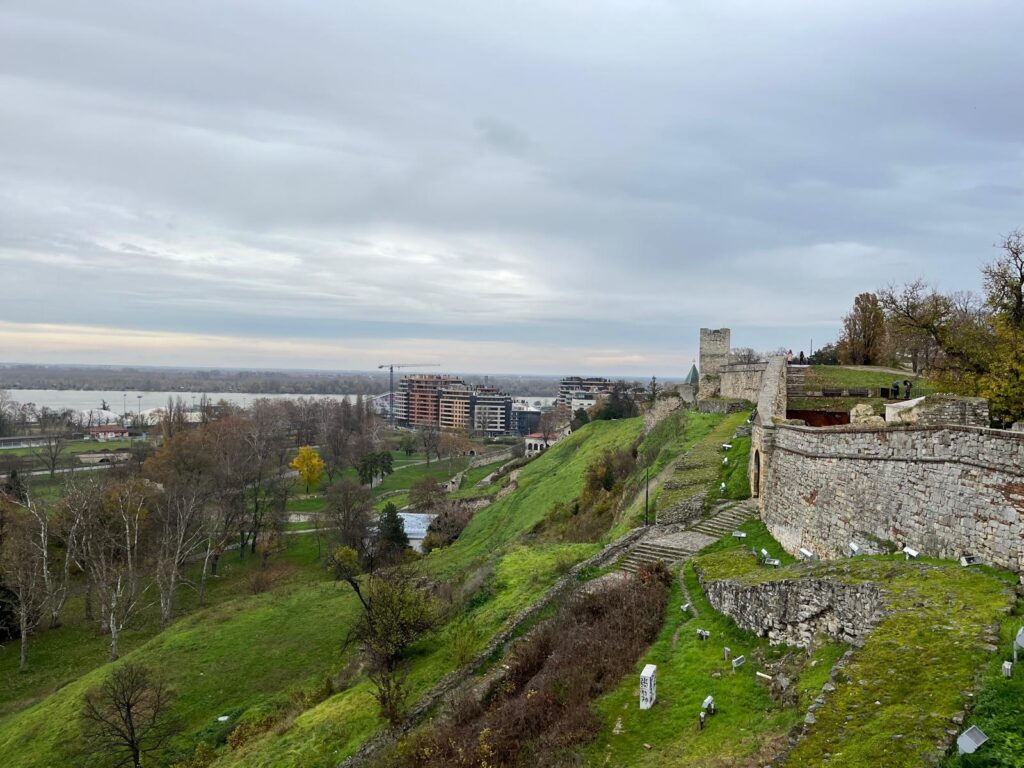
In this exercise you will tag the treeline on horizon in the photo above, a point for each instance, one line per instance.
(66, 377)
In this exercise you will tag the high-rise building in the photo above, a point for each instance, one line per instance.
(418, 401)
(447, 402)
(492, 412)
(579, 388)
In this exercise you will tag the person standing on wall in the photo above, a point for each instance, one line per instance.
(789, 357)
(907, 385)
(895, 390)
(803, 360)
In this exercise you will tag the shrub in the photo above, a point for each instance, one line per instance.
(543, 706)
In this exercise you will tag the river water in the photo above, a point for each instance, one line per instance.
(120, 400)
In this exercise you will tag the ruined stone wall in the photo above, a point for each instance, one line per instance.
(714, 355)
(742, 380)
(943, 490)
(934, 410)
(793, 612)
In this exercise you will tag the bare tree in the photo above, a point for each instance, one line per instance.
(127, 717)
(114, 553)
(549, 426)
(54, 441)
(22, 573)
(430, 438)
(178, 533)
(8, 413)
(49, 528)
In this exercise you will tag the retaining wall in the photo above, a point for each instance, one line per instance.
(793, 612)
(942, 490)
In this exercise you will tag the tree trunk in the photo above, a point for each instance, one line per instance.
(23, 658)
(88, 602)
(114, 633)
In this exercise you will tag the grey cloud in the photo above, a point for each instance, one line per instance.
(528, 171)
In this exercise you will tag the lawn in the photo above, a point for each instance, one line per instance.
(820, 377)
(933, 634)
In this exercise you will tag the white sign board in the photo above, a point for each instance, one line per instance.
(739, 661)
(969, 741)
(648, 686)
(1007, 669)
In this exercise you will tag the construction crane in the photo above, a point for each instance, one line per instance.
(391, 383)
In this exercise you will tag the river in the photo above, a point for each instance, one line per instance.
(133, 401)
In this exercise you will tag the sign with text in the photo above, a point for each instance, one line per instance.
(648, 686)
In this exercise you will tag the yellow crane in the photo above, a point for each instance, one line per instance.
(391, 383)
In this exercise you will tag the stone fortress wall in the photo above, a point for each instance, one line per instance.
(937, 480)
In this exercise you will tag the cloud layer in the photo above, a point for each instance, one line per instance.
(541, 187)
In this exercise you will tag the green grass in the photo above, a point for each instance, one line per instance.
(250, 654)
(820, 377)
(403, 480)
(932, 634)
(58, 657)
(697, 471)
(734, 474)
(475, 475)
(75, 447)
(750, 725)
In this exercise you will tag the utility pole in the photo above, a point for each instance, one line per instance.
(647, 493)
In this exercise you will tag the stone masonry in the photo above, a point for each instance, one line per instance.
(943, 490)
(714, 355)
(793, 612)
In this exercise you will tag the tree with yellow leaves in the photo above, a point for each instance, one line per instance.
(309, 465)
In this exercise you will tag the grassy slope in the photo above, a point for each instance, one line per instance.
(251, 653)
(333, 729)
(933, 636)
(749, 726)
(699, 469)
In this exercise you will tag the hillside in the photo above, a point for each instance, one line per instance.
(268, 661)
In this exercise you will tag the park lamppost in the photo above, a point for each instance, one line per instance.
(124, 406)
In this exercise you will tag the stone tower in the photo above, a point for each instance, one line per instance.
(714, 355)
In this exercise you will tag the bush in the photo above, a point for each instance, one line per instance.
(543, 706)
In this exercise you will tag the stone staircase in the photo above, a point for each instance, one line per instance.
(796, 381)
(655, 549)
(726, 521)
(672, 548)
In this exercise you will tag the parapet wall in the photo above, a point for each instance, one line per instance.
(741, 380)
(942, 490)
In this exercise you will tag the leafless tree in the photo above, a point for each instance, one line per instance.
(22, 572)
(178, 533)
(51, 527)
(127, 717)
(8, 413)
(114, 553)
(54, 441)
(430, 438)
(549, 426)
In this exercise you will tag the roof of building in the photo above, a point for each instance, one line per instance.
(692, 377)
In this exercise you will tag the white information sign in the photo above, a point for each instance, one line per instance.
(648, 686)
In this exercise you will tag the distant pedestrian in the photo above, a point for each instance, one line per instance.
(895, 390)
(789, 357)
(702, 716)
(907, 385)
(803, 360)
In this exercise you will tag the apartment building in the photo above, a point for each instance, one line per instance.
(449, 403)
(418, 400)
(581, 389)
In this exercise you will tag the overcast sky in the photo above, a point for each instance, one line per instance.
(549, 187)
